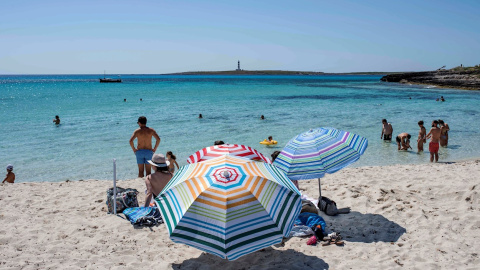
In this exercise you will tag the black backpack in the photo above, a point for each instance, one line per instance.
(328, 206)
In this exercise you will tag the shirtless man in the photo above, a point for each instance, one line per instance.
(434, 136)
(421, 136)
(403, 141)
(144, 150)
(387, 131)
(444, 128)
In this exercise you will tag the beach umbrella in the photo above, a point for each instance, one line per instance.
(227, 149)
(316, 152)
(229, 206)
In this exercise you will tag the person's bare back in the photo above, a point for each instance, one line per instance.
(144, 138)
(144, 150)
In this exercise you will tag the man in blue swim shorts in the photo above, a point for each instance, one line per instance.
(144, 150)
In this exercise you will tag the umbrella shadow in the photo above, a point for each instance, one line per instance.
(267, 258)
(366, 228)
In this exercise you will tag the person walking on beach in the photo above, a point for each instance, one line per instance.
(403, 141)
(56, 120)
(444, 128)
(387, 131)
(144, 150)
(158, 180)
(10, 177)
(434, 136)
(421, 136)
(172, 159)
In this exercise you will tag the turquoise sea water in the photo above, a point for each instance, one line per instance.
(97, 123)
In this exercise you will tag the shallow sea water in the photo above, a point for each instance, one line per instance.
(97, 123)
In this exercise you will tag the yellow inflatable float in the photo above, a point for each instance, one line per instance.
(266, 142)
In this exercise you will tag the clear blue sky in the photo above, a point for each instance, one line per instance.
(146, 36)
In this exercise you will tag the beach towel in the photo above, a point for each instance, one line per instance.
(311, 220)
(143, 216)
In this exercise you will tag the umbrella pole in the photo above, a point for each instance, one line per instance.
(115, 186)
(319, 190)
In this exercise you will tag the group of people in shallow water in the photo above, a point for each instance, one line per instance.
(438, 136)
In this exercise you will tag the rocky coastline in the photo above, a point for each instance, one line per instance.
(459, 78)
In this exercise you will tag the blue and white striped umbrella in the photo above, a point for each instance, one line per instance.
(314, 153)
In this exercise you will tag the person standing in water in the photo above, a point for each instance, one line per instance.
(434, 136)
(387, 131)
(444, 128)
(421, 136)
(144, 150)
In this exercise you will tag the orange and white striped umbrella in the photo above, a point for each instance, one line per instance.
(229, 206)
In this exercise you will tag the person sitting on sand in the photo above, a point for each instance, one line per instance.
(403, 141)
(387, 131)
(444, 128)
(10, 177)
(421, 136)
(56, 120)
(172, 159)
(434, 136)
(156, 181)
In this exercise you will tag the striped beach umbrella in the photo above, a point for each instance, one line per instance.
(316, 152)
(227, 149)
(229, 206)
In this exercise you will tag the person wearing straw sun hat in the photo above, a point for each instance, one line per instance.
(156, 181)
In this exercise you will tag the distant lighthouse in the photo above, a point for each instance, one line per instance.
(238, 66)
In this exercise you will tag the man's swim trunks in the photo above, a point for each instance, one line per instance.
(387, 137)
(143, 155)
(433, 147)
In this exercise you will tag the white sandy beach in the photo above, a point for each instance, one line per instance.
(403, 217)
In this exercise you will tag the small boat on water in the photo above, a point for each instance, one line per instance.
(109, 80)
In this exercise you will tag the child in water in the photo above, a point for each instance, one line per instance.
(10, 177)
(173, 161)
(270, 139)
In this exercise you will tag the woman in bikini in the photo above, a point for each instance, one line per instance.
(444, 128)
(173, 161)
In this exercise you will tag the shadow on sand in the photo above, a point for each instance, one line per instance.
(366, 228)
(269, 258)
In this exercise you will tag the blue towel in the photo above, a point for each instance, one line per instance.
(143, 216)
(310, 220)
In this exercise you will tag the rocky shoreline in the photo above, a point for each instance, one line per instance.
(459, 79)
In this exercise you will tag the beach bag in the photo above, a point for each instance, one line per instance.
(126, 197)
(328, 206)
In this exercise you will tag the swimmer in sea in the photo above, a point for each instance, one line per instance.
(56, 120)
